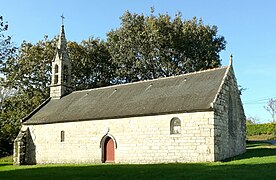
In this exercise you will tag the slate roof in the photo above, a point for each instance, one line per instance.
(184, 93)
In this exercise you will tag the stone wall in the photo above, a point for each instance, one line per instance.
(19, 149)
(138, 140)
(230, 133)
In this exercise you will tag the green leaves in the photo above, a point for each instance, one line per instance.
(144, 47)
(91, 64)
(7, 48)
(148, 47)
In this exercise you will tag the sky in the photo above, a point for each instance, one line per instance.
(249, 28)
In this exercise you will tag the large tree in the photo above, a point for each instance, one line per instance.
(28, 75)
(144, 47)
(7, 50)
(148, 47)
(91, 62)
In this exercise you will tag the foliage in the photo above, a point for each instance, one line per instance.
(257, 129)
(28, 74)
(144, 47)
(7, 49)
(252, 120)
(92, 66)
(271, 108)
(148, 47)
(8, 159)
(257, 163)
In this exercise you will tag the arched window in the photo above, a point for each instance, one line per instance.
(62, 136)
(55, 79)
(175, 126)
(56, 68)
(65, 75)
(55, 74)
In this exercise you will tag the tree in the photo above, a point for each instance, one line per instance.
(7, 48)
(5, 92)
(28, 74)
(91, 62)
(252, 120)
(271, 108)
(148, 47)
(144, 47)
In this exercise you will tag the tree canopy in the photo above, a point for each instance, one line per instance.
(148, 47)
(143, 47)
(7, 50)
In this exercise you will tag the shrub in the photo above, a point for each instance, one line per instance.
(257, 129)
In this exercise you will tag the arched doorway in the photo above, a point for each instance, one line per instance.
(108, 150)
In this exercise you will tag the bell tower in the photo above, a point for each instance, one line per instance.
(61, 68)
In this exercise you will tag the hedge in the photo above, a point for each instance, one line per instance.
(257, 129)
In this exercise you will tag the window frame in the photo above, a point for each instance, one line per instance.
(175, 126)
(62, 136)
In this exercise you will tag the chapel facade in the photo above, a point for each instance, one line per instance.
(195, 117)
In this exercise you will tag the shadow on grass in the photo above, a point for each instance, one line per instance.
(257, 169)
(252, 151)
(156, 171)
(251, 144)
(5, 164)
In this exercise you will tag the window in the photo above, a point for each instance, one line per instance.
(65, 75)
(56, 68)
(175, 126)
(55, 79)
(62, 136)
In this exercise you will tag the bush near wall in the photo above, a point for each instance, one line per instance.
(257, 129)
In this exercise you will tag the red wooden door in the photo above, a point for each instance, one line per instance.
(109, 150)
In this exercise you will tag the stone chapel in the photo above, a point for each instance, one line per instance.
(194, 117)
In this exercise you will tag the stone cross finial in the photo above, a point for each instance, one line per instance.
(62, 19)
(231, 60)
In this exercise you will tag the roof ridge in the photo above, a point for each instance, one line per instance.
(151, 80)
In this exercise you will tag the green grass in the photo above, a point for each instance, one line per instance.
(262, 137)
(259, 162)
(6, 159)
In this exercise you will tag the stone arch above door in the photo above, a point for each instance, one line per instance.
(104, 138)
(108, 145)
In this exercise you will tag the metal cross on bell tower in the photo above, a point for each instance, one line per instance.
(62, 19)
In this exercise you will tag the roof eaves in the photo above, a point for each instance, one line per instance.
(35, 110)
(120, 117)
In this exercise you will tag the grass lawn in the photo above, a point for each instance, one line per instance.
(259, 162)
(262, 137)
